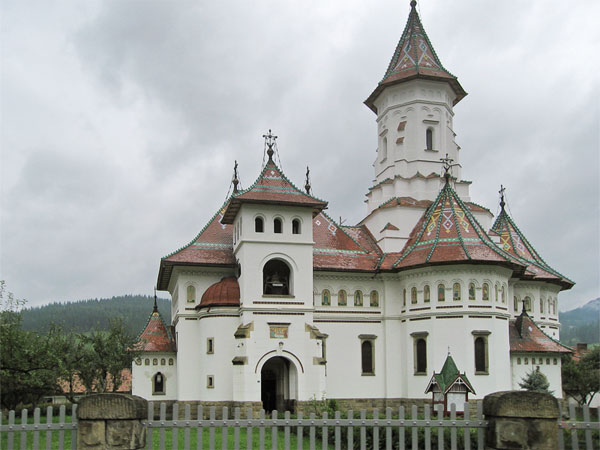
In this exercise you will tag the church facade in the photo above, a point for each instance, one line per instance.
(275, 304)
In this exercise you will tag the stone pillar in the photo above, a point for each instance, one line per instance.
(521, 420)
(111, 421)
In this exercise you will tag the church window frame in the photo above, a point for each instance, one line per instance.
(170, 361)
(456, 292)
(325, 297)
(374, 298)
(296, 226)
(155, 361)
(384, 148)
(210, 346)
(541, 305)
(516, 304)
(277, 278)
(147, 361)
(441, 292)
(485, 292)
(481, 351)
(259, 224)
(163, 362)
(159, 384)
(342, 298)
(404, 297)
(519, 361)
(358, 298)
(503, 293)
(426, 294)
(277, 225)
(210, 381)
(191, 293)
(429, 139)
(527, 303)
(367, 354)
(413, 295)
(472, 292)
(496, 293)
(420, 352)
(138, 361)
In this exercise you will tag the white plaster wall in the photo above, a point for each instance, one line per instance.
(141, 376)
(536, 290)
(552, 370)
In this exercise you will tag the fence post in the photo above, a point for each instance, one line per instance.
(111, 421)
(521, 419)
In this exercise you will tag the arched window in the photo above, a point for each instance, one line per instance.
(429, 139)
(480, 356)
(527, 303)
(471, 291)
(426, 294)
(374, 297)
(456, 294)
(342, 298)
(441, 293)
(158, 384)
(277, 225)
(276, 278)
(170, 361)
(147, 361)
(421, 346)
(326, 298)
(296, 226)
(503, 293)
(515, 304)
(404, 297)
(155, 361)
(384, 148)
(358, 298)
(163, 361)
(367, 357)
(485, 291)
(413, 295)
(541, 306)
(259, 225)
(191, 294)
(496, 293)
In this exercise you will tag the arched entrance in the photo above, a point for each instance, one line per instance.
(278, 378)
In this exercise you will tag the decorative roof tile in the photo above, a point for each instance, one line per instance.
(415, 57)
(526, 336)
(223, 293)
(155, 337)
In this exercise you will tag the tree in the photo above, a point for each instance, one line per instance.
(535, 381)
(581, 380)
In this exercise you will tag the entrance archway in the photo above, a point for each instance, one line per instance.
(279, 381)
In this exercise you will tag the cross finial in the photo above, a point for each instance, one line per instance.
(155, 309)
(270, 141)
(236, 181)
(501, 192)
(413, 3)
(307, 185)
(448, 350)
(447, 164)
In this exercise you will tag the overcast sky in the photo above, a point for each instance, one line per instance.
(120, 123)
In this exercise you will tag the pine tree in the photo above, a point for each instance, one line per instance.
(535, 381)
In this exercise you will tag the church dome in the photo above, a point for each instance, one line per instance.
(224, 293)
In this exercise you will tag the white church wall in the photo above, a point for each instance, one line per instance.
(548, 363)
(188, 358)
(151, 363)
(200, 280)
(537, 291)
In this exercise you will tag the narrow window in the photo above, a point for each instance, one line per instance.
(525, 360)
(413, 295)
(170, 361)
(496, 293)
(421, 346)
(155, 362)
(555, 361)
(527, 303)
(441, 293)
(429, 139)
(541, 306)
(358, 298)
(485, 291)
(158, 384)
(503, 295)
(426, 294)
(210, 381)
(210, 346)
(259, 225)
(374, 297)
(404, 297)
(138, 361)
(325, 298)
(384, 149)
(147, 361)
(295, 226)
(471, 291)
(518, 360)
(515, 304)
(191, 294)
(367, 357)
(480, 357)
(163, 361)
(456, 294)
(548, 361)
(277, 225)
(342, 298)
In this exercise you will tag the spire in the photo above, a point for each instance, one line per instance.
(415, 57)
(236, 181)
(155, 309)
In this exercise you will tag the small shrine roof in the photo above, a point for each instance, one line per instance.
(449, 233)
(155, 337)
(415, 57)
(514, 242)
(223, 293)
(525, 336)
(448, 376)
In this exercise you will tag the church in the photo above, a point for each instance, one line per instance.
(429, 297)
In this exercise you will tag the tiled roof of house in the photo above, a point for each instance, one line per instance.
(79, 388)
(514, 242)
(526, 336)
(449, 233)
(223, 293)
(155, 337)
(448, 376)
(271, 187)
(415, 57)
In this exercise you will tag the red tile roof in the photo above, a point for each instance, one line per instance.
(271, 187)
(223, 293)
(155, 337)
(448, 233)
(514, 242)
(79, 388)
(415, 58)
(526, 336)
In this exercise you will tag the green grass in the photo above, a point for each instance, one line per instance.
(54, 434)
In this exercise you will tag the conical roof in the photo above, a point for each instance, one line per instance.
(448, 233)
(514, 242)
(415, 58)
(155, 337)
(271, 187)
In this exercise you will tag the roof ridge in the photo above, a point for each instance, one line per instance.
(542, 331)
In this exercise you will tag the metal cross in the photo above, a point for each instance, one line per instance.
(307, 185)
(235, 177)
(447, 164)
(501, 192)
(270, 141)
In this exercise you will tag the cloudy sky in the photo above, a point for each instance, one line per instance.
(120, 123)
